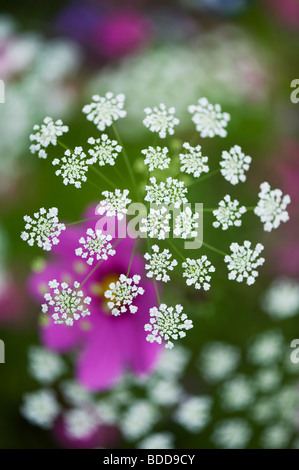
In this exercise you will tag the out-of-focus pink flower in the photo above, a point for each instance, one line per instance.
(12, 301)
(107, 345)
(121, 32)
(286, 10)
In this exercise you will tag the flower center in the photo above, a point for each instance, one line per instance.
(99, 288)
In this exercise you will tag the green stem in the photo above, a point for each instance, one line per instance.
(250, 208)
(105, 178)
(214, 249)
(81, 221)
(205, 177)
(132, 256)
(64, 146)
(176, 249)
(126, 160)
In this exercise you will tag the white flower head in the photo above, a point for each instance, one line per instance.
(95, 246)
(104, 110)
(281, 300)
(185, 224)
(218, 360)
(172, 191)
(80, 423)
(41, 408)
(68, 304)
(121, 294)
(45, 135)
(244, 261)
(74, 393)
(156, 224)
(115, 203)
(271, 208)
(73, 167)
(43, 229)
(156, 158)
(44, 365)
(228, 213)
(209, 119)
(237, 394)
(159, 264)
(160, 119)
(194, 413)
(167, 323)
(193, 162)
(266, 348)
(197, 272)
(104, 151)
(234, 165)
(232, 434)
(139, 419)
(164, 392)
(159, 440)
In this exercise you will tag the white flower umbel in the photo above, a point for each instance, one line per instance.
(209, 119)
(185, 224)
(193, 162)
(164, 392)
(156, 158)
(80, 423)
(194, 413)
(156, 224)
(232, 434)
(73, 167)
(167, 323)
(44, 229)
(45, 366)
(104, 151)
(40, 408)
(159, 264)
(271, 208)
(160, 119)
(45, 135)
(95, 246)
(218, 361)
(172, 363)
(237, 394)
(228, 213)
(197, 272)
(281, 300)
(172, 191)
(74, 393)
(138, 420)
(122, 293)
(68, 304)
(234, 164)
(276, 436)
(104, 110)
(244, 261)
(160, 440)
(115, 203)
(266, 348)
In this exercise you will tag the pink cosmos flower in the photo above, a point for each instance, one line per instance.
(106, 345)
(286, 10)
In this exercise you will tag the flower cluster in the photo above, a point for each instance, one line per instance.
(228, 213)
(121, 294)
(115, 203)
(234, 164)
(161, 120)
(197, 272)
(209, 119)
(172, 191)
(103, 111)
(193, 162)
(167, 323)
(185, 224)
(156, 224)
(68, 304)
(244, 261)
(156, 158)
(95, 246)
(44, 229)
(159, 263)
(104, 151)
(272, 206)
(73, 167)
(45, 135)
